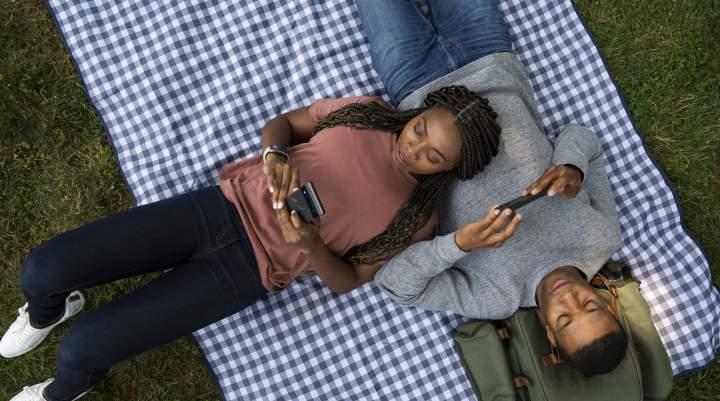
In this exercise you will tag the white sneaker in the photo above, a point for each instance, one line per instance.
(35, 393)
(21, 337)
(32, 393)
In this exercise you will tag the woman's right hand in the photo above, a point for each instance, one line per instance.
(490, 232)
(270, 169)
(284, 181)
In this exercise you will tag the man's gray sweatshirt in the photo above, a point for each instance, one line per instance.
(492, 283)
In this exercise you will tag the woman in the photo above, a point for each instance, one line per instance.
(377, 171)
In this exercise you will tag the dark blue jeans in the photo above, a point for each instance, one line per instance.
(408, 51)
(214, 274)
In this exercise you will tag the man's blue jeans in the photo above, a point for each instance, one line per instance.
(214, 274)
(408, 51)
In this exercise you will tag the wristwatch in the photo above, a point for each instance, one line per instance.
(276, 149)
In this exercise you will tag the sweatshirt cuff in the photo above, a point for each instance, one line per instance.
(448, 250)
(582, 165)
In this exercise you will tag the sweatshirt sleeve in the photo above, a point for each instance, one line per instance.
(578, 146)
(597, 185)
(423, 276)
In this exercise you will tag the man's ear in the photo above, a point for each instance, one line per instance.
(550, 336)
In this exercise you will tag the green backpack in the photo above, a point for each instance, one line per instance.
(511, 360)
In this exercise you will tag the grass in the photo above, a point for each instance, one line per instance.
(664, 56)
(57, 170)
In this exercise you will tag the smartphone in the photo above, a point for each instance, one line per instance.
(306, 202)
(517, 203)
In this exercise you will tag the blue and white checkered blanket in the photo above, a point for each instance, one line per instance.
(185, 86)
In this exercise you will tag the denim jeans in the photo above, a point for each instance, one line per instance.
(214, 274)
(408, 51)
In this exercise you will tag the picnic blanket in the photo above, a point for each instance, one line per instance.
(183, 87)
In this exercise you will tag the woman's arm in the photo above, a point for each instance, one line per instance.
(338, 275)
(287, 129)
(335, 273)
(297, 126)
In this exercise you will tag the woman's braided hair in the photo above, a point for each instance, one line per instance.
(480, 135)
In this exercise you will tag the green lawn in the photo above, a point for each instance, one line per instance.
(57, 170)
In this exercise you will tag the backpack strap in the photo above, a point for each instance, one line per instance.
(503, 333)
(601, 281)
(552, 359)
(521, 382)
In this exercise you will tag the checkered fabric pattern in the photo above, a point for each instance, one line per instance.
(183, 87)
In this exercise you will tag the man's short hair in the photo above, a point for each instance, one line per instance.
(601, 356)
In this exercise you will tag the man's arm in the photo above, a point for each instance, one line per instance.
(423, 274)
(575, 149)
(580, 147)
(577, 146)
(406, 276)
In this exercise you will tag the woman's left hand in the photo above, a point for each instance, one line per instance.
(565, 179)
(297, 232)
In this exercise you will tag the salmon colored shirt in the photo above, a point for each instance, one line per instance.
(355, 178)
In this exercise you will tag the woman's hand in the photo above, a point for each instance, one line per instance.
(296, 232)
(490, 232)
(565, 179)
(272, 161)
(299, 233)
(285, 180)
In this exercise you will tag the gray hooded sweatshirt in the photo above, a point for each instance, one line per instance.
(492, 283)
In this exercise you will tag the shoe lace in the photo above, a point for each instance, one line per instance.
(20, 328)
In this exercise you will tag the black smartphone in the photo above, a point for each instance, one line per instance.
(306, 202)
(517, 203)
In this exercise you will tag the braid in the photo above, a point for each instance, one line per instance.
(480, 134)
(407, 221)
(368, 115)
(475, 120)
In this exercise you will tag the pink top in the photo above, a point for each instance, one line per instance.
(355, 178)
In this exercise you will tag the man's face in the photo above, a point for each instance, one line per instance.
(574, 315)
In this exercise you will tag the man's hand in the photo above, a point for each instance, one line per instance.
(269, 168)
(491, 231)
(565, 179)
(299, 233)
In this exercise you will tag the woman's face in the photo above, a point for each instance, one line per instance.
(429, 143)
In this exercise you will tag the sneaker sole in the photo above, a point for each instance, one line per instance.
(82, 395)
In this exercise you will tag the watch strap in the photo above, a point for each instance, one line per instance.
(276, 149)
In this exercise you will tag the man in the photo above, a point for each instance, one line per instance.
(484, 269)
